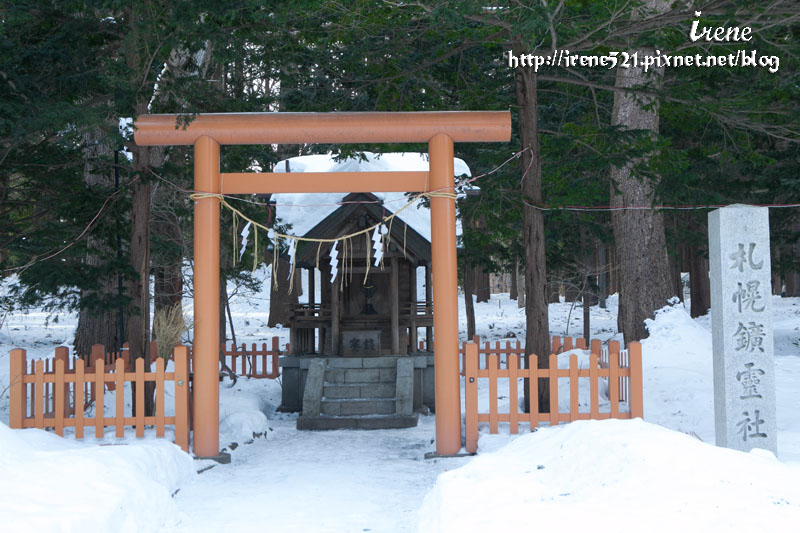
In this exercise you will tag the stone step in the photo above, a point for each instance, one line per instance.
(361, 375)
(361, 406)
(358, 390)
(356, 422)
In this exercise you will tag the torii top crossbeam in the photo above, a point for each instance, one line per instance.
(208, 131)
(308, 128)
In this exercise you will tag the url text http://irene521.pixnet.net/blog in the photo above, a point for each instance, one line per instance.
(647, 60)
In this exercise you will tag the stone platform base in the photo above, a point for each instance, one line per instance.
(356, 422)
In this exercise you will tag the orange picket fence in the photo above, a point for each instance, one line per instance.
(57, 396)
(254, 363)
(621, 368)
(504, 349)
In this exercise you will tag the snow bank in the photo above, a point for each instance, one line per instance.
(678, 373)
(614, 475)
(49, 483)
(244, 408)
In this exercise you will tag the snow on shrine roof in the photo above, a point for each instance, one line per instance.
(304, 211)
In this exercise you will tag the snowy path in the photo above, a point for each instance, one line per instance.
(317, 481)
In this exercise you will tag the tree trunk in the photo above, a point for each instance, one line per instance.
(537, 329)
(572, 293)
(513, 290)
(468, 305)
(675, 272)
(791, 275)
(588, 295)
(98, 325)
(482, 286)
(699, 284)
(138, 289)
(602, 275)
(167, 287)
(613, 270)
(553, 292)
(639, 234)
(167, 260)
(777, 285)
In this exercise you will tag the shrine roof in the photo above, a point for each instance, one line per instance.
(304, 211)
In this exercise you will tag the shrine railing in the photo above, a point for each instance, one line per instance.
(311, 311)
(416, 309)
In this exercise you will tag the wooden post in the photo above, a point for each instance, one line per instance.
(428, 306)
(312, 289)
(206, 299)
(533, 392)
(635, 363)
(512, 362)
(395, 306)
(312, 300)
(17, 396)
(59, 407)
(38, 395)
(445, 276)
(119, 415)
(553, 375)
(471, 395)
(274, 371)
(62, 354)
(573, 387)
(160, 396)
(100, 387)
(492, 365)
(335, 316)
(79, 398)
(594, 398)
(412, 283)
(613, 377)
(139, 377)
(182, 397)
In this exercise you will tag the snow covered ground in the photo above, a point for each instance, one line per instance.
(659, 475)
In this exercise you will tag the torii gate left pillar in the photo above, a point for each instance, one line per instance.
(207, 131)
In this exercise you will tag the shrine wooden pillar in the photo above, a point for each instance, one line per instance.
(205, 357)
(335, 316)
(445, 279)
(412, 298)
(428, 307)
(312, 296)
(395, 304)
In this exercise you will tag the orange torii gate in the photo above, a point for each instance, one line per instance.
(208, 131)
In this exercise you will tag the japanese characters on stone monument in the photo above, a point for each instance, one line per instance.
(741, 319)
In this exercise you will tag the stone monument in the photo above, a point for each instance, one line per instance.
(741, 318)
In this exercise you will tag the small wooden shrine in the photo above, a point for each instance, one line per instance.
(355, 358)
(367, 310)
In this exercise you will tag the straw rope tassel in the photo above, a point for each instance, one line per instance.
(274, 236)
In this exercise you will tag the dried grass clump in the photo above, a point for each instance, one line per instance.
(169, 325)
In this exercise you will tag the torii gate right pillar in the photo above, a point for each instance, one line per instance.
(445, 296)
